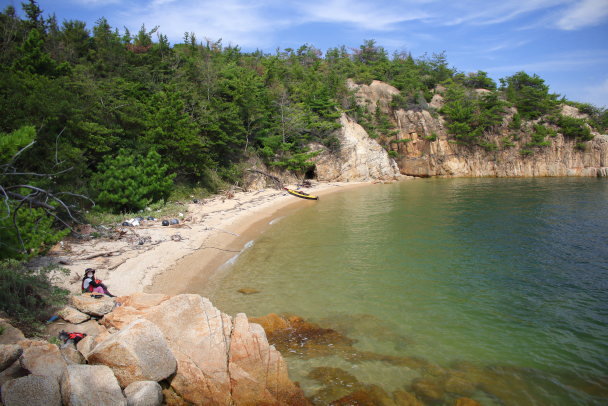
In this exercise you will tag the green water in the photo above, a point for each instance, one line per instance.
(504, 279)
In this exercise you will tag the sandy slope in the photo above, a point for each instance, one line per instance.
(173, 258)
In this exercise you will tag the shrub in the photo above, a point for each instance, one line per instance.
(30, 234)
(28, 295)
(130, 182)
(574, 128)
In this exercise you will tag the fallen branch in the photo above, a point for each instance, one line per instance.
(102, 254)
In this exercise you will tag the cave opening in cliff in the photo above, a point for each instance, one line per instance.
(311, 173)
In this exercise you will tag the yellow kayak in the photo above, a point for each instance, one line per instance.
(300, 194)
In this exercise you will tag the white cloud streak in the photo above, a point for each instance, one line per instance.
(584, 13)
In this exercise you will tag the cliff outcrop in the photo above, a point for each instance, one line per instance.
(359, 158)
(198, 354)
(424, 148)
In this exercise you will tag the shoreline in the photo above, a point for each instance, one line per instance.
(173, 259)
(197, 268)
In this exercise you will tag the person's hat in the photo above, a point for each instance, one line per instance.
(86, 271)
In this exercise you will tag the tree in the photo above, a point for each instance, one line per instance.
(130, 182)
(29, 210)
(529, 94)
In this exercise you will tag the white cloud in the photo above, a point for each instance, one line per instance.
(584, 13)
(234, 21)
(361, 14)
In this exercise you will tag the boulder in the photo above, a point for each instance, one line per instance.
(428, 390)
(254, 382)
(90, 385)
(198, 334)
(31, 390)
(10, 334)
(71, 355)
(142, 300)
(144, 393)
(72, 315)
(43, 358)
(9, 353)
(90, 305)
(139, 352)
(121, 317)
(12, 372)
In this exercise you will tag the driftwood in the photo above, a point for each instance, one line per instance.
(276, 180)
(102, 254)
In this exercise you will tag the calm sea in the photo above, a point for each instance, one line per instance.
(497, 287)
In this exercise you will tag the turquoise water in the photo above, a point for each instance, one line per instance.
(501, 282)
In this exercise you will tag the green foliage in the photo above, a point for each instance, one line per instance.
(13, 142)
(538, 136)
(28, 295)
(479, 80)
(529, 94)
(131, 182)
(515, 123)
(26, 232)
(507, 142)
(432, 137)
(469, 116)
(574, 128)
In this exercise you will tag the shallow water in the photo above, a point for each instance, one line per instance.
(502, 282)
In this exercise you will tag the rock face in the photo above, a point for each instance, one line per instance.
(144, 393)
(139, 352)
(31, 390)
(90, 385)
(425, 149)
(360, 157)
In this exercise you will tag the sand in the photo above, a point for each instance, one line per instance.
(174, 259)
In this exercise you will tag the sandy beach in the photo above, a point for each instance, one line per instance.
(153, 258)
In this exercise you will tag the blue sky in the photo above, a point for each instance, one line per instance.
(563, 41)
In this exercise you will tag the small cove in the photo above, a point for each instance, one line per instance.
(502, 282)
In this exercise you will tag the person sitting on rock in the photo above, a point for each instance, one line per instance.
(90, 284)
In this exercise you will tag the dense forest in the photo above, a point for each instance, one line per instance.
(96, 114)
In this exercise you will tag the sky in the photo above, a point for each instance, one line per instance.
(563, 41)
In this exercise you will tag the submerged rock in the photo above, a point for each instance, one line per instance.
(248, 291)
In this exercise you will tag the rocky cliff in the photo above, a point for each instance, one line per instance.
(424, 148)
(359, 157)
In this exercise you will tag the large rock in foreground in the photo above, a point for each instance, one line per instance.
(139, 352)
(31, 390)
(42, 358)
(90, 385)
(9, 353)
(218, 362)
